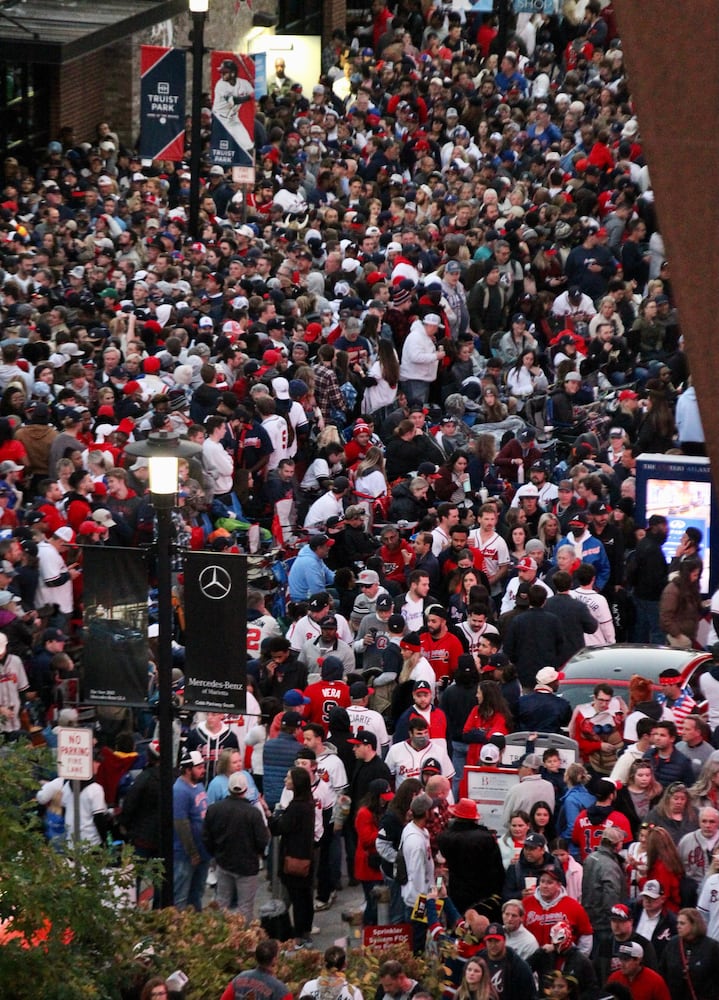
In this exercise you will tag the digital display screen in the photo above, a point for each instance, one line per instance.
(685, 504)
(679, 487)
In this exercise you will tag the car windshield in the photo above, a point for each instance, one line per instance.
(616, 665)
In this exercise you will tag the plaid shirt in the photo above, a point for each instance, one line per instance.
(437, 823)
(327, 391)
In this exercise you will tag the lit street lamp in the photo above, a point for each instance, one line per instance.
(198, 10)
(163, 450)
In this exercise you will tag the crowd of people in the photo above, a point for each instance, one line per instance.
(423, 354)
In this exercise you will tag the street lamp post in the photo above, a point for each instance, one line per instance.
(198, 10)
(163, 449)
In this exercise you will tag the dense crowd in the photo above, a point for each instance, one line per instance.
(422, 354)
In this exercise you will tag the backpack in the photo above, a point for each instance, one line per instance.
(400, 869)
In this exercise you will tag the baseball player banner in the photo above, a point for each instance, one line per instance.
(232, 143)
(215, 631)
(162, 103)
(115, 650)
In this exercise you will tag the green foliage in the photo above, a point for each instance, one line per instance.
(212, 947)
(64, 933)
(62, 928)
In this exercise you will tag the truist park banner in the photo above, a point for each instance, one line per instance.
(162, 103)
(233, 110)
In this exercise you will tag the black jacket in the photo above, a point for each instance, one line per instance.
(651, 569)
(288, 676)
(404, 457)
(534, 639)
(576, 619)
(702, 960)
(358, 544)
(664, 931)
(457, 701)
(516, 976)
(474, 862)
(572, 963)
(366, 772)
(613, 541)
(235, 834)
(141, 810)
(625, 804)
(405, 507)
(296, 828)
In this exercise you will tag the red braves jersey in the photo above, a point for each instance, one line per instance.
(587, 835)
(540, 918)
(324, 696)
(393, 565)
(442, 654)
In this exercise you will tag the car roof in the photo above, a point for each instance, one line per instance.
(621, 660)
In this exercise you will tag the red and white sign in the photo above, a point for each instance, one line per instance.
(381, 936)
(74, 753)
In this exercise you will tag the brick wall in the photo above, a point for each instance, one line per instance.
(94, 88)
(335, 16)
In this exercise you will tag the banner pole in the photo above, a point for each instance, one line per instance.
(198, 52)
(164, 669)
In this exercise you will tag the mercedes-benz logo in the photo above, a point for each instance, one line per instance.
(215, 582)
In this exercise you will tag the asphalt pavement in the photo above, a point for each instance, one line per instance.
(332, 929)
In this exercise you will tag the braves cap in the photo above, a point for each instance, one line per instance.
(364, 737)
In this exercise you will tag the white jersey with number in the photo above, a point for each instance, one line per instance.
(264, 627)
(367, 718)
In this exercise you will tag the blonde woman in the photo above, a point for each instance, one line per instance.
(370, 479)
(705, 790)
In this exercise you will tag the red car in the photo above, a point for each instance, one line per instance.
(616, 664)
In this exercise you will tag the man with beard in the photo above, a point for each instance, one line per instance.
(405, 759)
(440, 647)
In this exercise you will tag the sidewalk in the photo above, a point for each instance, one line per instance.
(332, 929)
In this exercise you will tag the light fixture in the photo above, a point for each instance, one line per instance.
(199, 6)
(164, 474)
(163, 450)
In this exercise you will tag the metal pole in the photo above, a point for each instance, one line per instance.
(502, 28)
(198, 53)
(164, 669)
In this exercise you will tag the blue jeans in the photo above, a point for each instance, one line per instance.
(189, 883)
(646, 627)
(396, 903)
(369, 917)
(416, 390)
(459, 759)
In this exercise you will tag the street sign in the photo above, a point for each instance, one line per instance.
(243, 175)
(379, 937)
(74, 753)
